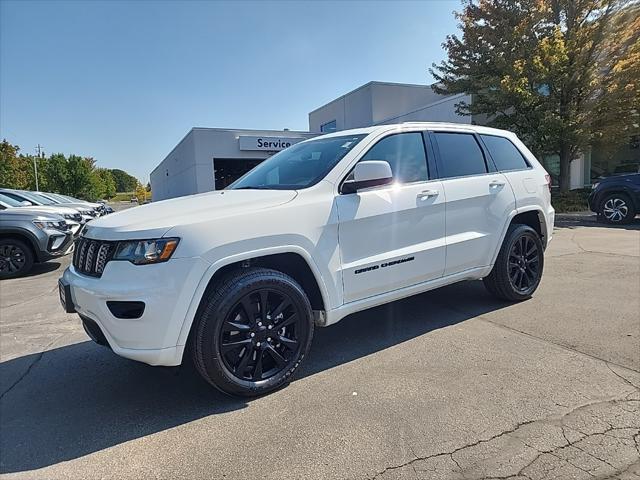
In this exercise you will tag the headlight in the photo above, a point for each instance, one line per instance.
(141, 252)
(595, 185)
(50, 224)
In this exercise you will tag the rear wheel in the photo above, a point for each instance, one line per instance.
(253, 332)
(617, 208)
(16, 258)
(518, 268)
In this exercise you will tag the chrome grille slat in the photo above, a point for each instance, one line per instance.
(91, 256)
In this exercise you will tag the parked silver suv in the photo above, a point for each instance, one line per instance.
(28, 237)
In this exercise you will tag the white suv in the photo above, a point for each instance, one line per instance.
(237, 279)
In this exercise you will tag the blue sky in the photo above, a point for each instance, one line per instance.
(124, 81)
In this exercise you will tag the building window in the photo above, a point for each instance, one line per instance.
(328, 127)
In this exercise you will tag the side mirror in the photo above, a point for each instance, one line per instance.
(26, 203)
(368, 173)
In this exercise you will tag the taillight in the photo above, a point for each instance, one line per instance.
(547, 178)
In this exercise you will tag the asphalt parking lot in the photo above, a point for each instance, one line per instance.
(450, 384)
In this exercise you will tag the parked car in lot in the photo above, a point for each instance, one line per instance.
(72, 217)
(237, 279)
(33, 198)
(100, 207)
(30, 236)
(616, 199)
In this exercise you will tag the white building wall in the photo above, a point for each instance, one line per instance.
(189, 167)
(392, 100)
(443, 110)
(176, 174)
(352, 110)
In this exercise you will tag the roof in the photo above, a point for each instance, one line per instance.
(422, 125)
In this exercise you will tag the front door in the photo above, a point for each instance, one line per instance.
(393, 236)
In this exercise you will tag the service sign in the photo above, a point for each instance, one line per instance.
(269, 144)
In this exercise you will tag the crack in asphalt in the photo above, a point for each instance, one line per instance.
(31, 366)
(552, 451)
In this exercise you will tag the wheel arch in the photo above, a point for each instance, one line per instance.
(532, 216)
(616, 189)
(25, 237)
(292, 260)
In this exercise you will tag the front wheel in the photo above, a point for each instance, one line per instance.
(16, 258)
(617, 208)
(253, 331)
(518, 268)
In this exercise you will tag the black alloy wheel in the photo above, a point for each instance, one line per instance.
(259, 337)
(15, 258)
(252, 331)
(524, 264)
(517, 270)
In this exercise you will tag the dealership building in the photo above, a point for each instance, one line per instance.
(211, 158)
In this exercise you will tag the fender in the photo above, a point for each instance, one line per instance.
(206, 278)
(517, 211)
(27, 236)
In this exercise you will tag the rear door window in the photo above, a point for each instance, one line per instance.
(505, 154)
(460, 155)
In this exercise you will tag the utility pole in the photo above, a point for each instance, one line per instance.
(35, 164)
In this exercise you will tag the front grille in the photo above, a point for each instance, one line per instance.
(91, 256)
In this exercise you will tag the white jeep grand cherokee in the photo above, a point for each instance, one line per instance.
(238, 278)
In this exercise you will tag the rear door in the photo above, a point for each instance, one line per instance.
(392, 236)
(479, 200)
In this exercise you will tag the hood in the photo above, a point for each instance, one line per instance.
(60, 210)
(155, 219)
(29, 213)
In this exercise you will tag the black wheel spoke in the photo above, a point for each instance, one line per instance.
(249, 309)
(264, 295)
(230, 325)
(280, 308)
(279, 359)
(288, 342)
(244, 361)
(227, 347)
(293, 318)
(257, 371)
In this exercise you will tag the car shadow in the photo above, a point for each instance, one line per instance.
(79, 399)
(40, 269)
(574, 221)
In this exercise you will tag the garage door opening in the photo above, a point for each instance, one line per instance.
(228, 170)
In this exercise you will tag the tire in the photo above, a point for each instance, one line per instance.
(516, 274)
(240, 347)
(617, 209)
(16, 258)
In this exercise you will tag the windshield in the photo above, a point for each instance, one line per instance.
(9, 201)
(299, 166)
(34, 197)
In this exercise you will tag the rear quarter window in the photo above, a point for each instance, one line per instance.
(505, 154)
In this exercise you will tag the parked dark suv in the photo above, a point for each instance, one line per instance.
(616, 199)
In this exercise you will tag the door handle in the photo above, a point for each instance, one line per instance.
(428, 193)
(496, 183)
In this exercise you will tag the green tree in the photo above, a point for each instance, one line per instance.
(109, 184)
(54, 174)
(9, 166)
(560, 73)
(124, 181)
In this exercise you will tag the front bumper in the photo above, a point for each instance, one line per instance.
(167, 291)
